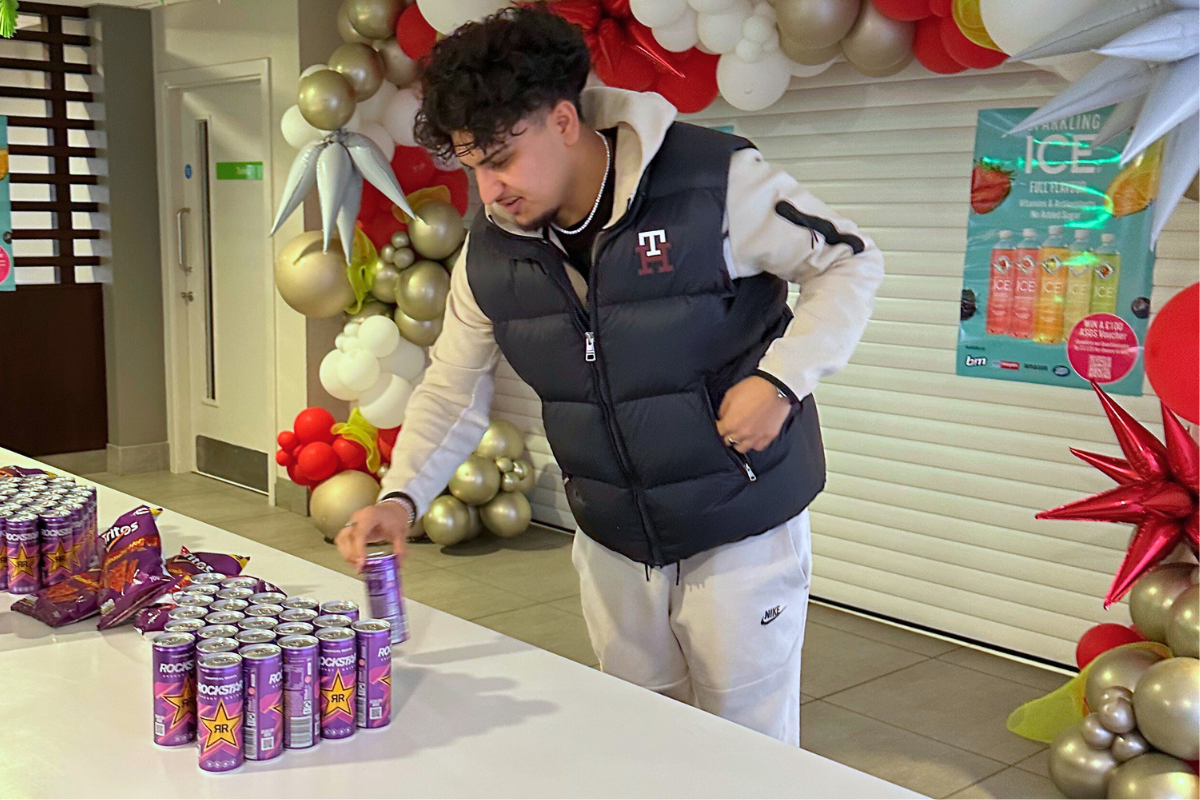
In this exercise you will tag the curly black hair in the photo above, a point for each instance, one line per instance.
(489, 75)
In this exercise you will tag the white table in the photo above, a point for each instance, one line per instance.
(475, 714)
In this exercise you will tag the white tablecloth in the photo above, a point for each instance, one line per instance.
(475, 713)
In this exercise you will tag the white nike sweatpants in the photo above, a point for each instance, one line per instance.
(722, 630)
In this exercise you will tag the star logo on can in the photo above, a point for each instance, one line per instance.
(220, 729)
(337, 698)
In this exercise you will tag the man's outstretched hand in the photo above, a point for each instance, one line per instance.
(382, 522)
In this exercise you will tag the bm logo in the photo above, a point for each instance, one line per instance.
(976, 361)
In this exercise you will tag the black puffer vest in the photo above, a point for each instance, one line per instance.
(630, 383)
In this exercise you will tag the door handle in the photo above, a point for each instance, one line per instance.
(179, 239)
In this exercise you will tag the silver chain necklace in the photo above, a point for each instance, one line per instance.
(596, 205)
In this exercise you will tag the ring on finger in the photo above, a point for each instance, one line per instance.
(732, 442)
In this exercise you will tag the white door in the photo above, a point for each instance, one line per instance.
(221, 274)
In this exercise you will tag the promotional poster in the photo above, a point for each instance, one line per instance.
(8, 278)
(1058, 267)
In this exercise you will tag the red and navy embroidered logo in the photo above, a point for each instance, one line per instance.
(653, 249)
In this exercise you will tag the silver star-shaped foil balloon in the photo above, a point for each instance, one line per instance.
(337, 165)
(1151, 71)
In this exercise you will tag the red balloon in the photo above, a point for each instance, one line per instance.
(617, 8)
(379, 228)
(415, 36)
(350, 454)
(641, 38)
(696, 90)
(459, 185)
(616, 62)
(929, 49)
(287, 440)
(941, 8)
(313, 425)
(373, 202)
(386, 441)
(283, 458)
(1173, 354)
(414, 169)
(584, 13)
(904, 10)
(1101, 639)
(318, 461)
(966, 52)
(299, 478)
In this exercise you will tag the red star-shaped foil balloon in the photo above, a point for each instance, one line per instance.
(1156, 489)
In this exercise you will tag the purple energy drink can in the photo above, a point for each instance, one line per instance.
(263, 670)
(187, 612)
(209, 590)
(174, 689)
(217, 632)
(339, 660)
(385, 596)
(300, 602)
(264, 610)
(208, 577)
(5, 511)
(374, 706)
(342, 607)
(183, 625)
(256, 623)
(257, 637)
(235, 593)
(224, 617)
(274, 598)
(297, 615)
(21, 538)
(217, 644)
(57, 534)
(76, 510)
(300, 680)
(219, 695)
(332, 621)
(186, 598)
(242, 581)
(228, 605)
(293, 629)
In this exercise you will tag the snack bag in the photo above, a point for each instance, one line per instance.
(187, 564)
(132, 572)
(152, 619)
(65, 602)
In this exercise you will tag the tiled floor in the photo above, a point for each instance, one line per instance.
(916, 710)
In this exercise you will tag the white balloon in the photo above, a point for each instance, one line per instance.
(680, 35)
(358, 370)
(407, 361)
(446, 15)
(296, 130)
(748, 51)
(328, 374)
(383, 404)
(753, 86)
(767, 12)
(656, 13)
(758, 28)
(342, 342)
(720, 33)
(351, 328)
(312, 69)
(771, 45)
(712, 6)
(399, 116)
(371, 109)
(379, 335)
(379, 135)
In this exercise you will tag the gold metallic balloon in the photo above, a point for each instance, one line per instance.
(403, 257)
(345, 29)
(476, 480)
(508, 482)
(423, 289)
(1116, 716)
(1183, 634)
(1193, 190)
(359, 64)
(451, 260)
(877, 42)
(505, 464)
(398, 68)
(447, 521)
(421, 332)
(1094, 733)
(437, 231)
(885, 72)
(804, 55)
(502, 438)
(1121, 667)
(813, 24)
(1167, 703)
(399, 239)
(476, 526)
(1153, 775)
(326, 100)
(1076, 769)
(335, 500)
(374, 19)
(525, 475)
(507, 514)
(385, 278)
(1151, 598)
(311, 280)
(372, 308)
(1129, 745)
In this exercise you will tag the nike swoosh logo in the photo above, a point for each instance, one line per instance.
(771, 615)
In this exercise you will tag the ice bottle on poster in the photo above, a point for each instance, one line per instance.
(1000, 285)
(1052, 288)
(1025, 284)
(1080, 266)
(1107, 276)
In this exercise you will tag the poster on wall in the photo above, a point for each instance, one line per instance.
(1058, 267)
(8, 278)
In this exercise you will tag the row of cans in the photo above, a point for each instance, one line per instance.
(257, 698)
(48, 528)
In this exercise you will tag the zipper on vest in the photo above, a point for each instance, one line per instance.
(744, 463)
(589, 346)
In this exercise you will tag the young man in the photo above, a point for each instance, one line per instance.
(633, 271)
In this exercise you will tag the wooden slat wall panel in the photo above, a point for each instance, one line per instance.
(933, 478)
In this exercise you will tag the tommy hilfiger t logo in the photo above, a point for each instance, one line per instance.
(653, 249)
(771, 614)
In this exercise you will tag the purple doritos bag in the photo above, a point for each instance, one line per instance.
(65, 602)
(152, 619)
(132, 571)
(187, 564)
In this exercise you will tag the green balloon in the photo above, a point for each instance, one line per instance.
(1153, 775)
(1167, 704)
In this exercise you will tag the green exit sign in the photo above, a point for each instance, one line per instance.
(239, 171)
